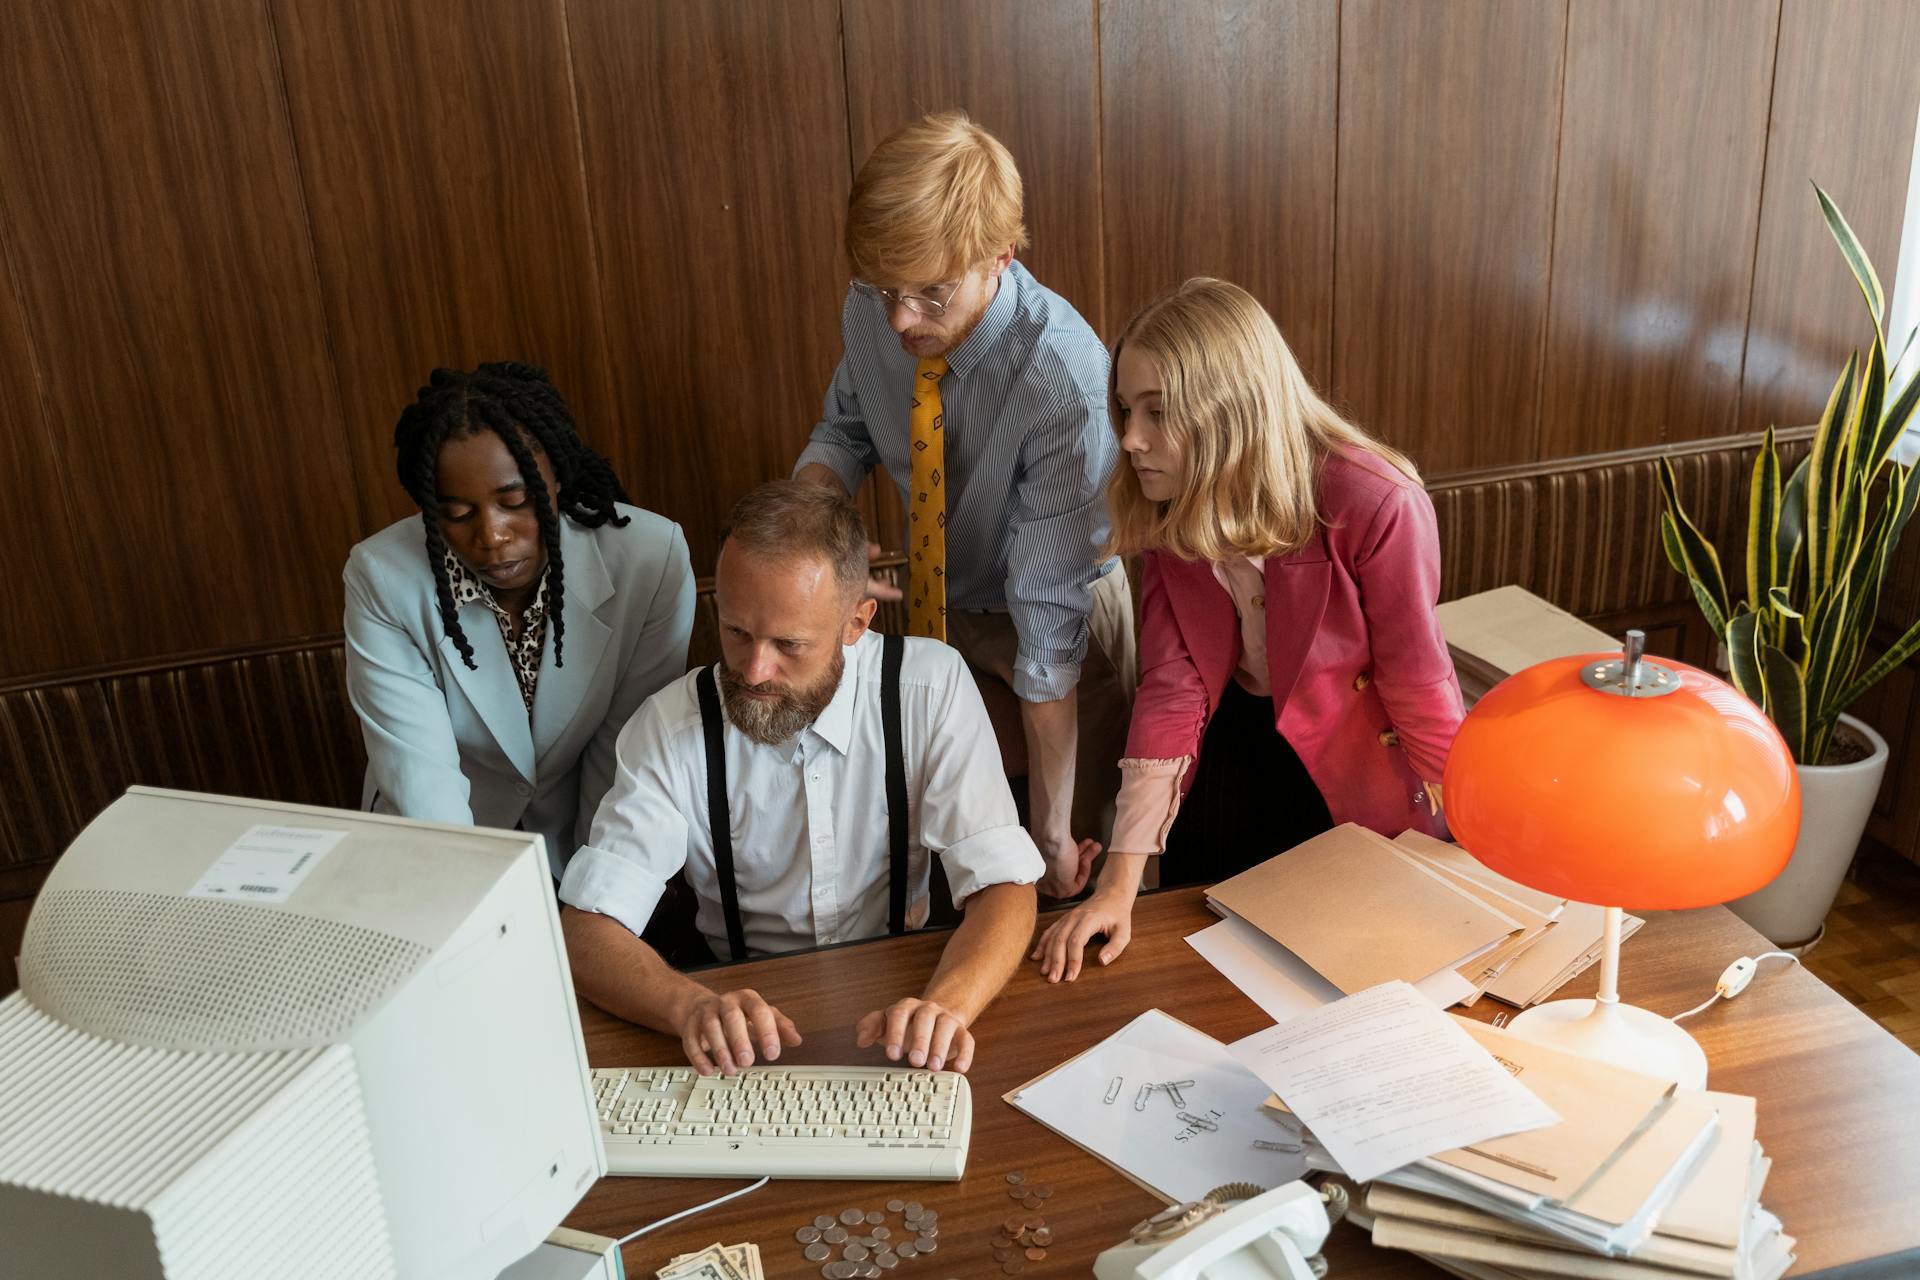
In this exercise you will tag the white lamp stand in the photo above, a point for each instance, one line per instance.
(1604, 1028)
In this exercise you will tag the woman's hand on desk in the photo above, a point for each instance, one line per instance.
(720, 1031)
(1061, 947)
(926, 1033)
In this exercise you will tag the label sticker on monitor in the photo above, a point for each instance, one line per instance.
(266, 864)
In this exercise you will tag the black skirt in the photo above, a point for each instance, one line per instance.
(1251, 797)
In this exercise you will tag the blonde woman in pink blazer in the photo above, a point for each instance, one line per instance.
(1293, 674)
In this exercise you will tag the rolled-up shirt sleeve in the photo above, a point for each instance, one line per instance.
(840, 440)
(967, 816)
(639, 837)
(1060, 525)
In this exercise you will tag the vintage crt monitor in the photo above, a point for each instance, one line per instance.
(256, 1039)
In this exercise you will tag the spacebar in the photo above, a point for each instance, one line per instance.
(785, 1159)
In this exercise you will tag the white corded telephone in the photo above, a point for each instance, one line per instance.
(1268, 1235)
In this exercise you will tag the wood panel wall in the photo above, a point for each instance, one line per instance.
(1446, 219)
(1662, 145)
(440, 160)
(235, 236)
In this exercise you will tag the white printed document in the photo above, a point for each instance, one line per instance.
(266, 864)
(1382, 1078)
(1180, 1143)
(1283, 984)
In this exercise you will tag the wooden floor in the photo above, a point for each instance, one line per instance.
(1871, 952)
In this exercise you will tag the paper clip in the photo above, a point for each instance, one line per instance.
(1173, 1091)
(1140, 1099)
(1113, 1089)
(1291, 1148)
(1197, 1122)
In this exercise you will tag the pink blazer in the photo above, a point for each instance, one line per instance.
(1363, 687)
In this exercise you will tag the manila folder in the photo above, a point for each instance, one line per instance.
(1360, 912)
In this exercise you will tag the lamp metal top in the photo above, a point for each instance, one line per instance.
(1631, 675)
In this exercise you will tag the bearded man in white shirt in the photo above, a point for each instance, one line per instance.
(808, 852)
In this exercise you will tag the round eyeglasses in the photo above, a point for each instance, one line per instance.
(934, 302)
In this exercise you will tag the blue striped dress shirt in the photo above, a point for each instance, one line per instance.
(1028, 454)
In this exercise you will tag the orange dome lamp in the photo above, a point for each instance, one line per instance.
(1631, 784)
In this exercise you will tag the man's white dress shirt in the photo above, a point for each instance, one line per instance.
(809, 817)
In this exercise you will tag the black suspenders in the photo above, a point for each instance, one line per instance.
(720, 815)
(892, 649)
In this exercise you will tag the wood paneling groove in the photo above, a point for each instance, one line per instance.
(440, 151)
(227, 727)
(1788, 440)
(1219, 140)
(1600, 552)
(716, 153)
(1661, 158)
(1900, 596)
(1846, 87)
(1449, 129)
(62, 747)
(13, 924)
(56, 625)
(152, 200)
(1488, 536)
(363, 508)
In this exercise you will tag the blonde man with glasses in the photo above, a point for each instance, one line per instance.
(984, 394)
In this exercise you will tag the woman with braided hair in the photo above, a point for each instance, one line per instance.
(497, 644)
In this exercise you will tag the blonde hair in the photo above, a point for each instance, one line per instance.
(934, 200)
(1249, 430)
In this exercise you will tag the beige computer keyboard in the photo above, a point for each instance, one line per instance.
(882, 1123)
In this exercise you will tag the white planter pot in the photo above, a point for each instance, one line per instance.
(1835, 802)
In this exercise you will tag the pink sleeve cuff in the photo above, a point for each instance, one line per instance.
(1149, 799)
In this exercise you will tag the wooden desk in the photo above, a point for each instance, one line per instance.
(1839, 1099)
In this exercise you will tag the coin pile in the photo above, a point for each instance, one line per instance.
(1023, 1238)
(867, 1246)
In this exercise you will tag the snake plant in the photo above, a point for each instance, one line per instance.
(1818, 546)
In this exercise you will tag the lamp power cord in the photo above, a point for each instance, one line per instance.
(1735, 979)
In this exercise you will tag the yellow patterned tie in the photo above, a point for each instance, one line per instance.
(927, 506)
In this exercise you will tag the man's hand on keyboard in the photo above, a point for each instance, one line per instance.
(927, 1034)
(719, 1032)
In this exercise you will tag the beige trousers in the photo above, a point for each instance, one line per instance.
(986, 638)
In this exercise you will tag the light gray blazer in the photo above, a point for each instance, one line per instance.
(448, 744)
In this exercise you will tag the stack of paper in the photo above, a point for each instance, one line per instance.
(1561, 938)
(1382, 1079)
(1498, 632)
(1356, 909)
(1360, 911)
(1637, 1181)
